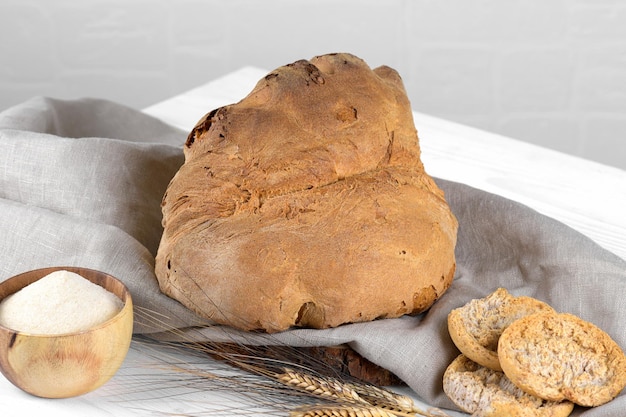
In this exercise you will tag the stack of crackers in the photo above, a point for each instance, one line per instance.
(520, 357)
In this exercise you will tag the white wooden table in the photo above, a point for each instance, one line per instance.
(585, 195)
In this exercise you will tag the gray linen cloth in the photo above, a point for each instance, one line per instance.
(81, 184)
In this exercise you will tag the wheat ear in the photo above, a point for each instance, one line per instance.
(357, 400)
(318, 386)
(327, 410)
(383, 398)
(341, 411)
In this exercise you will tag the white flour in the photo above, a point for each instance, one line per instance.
(61, 302)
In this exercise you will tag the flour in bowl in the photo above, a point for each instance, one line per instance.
(60, 302)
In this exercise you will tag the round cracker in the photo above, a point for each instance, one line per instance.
(559, 356)
(484, 392)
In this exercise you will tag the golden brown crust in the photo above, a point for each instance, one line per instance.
(306, 204)
(476, 327)
(484, 392)
(560, 356)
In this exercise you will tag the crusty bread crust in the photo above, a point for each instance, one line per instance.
(560, 356)
(476, 327)
(488, 393)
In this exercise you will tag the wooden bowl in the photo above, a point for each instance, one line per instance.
(66, 365)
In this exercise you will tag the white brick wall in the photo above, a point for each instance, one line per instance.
(548, 72)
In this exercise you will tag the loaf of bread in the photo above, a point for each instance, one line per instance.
(560, 356)
(484, 392)
(307, 204)
(475, 328)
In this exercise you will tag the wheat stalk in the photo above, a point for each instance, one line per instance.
(335, 396)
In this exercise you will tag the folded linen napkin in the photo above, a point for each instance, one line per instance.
(81, 184)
